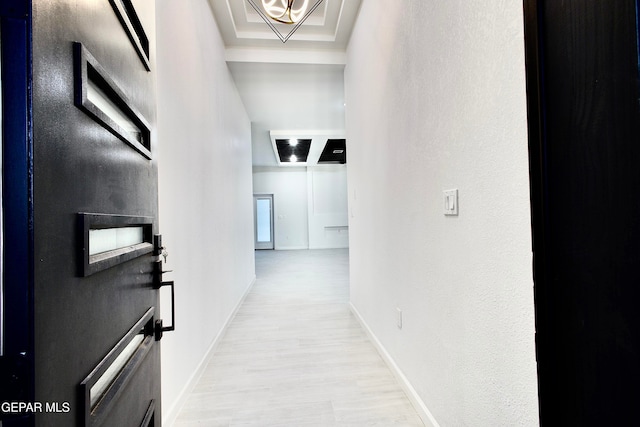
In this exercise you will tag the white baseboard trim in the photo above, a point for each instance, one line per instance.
(291, 248)
(170, 416)
(424, 413)
(329, 247)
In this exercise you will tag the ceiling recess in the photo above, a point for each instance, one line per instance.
(293, 150)
(335, 151)
(326, 27)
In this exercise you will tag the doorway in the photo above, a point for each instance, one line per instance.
(263, 221)
(584, 127)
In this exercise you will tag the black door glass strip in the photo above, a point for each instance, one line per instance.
(99, 96)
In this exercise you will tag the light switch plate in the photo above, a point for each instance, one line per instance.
(451, 202)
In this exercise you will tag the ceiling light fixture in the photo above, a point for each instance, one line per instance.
(293, 158)
(285, 11)
(293, 142)
(292, 12)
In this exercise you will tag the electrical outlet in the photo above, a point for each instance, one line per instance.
(399, 317)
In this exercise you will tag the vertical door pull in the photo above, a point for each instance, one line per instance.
(159, 328)
(159, 250)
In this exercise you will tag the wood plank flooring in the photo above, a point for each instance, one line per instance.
(295, 356)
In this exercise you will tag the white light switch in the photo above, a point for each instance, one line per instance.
(451, 202)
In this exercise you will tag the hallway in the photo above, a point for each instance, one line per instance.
(295, 355)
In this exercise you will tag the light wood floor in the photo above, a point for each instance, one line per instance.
(295, 356)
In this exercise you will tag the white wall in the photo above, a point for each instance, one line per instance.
(327, 201)
(317, 101)
(310, 205)
(289, 189)
(435, 95)
(205, 184)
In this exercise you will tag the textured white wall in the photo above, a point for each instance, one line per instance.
(435, 95)
(289, 189)
(327, 195)
(206, 213)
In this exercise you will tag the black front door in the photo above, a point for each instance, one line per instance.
(584, 132)
(92, 210)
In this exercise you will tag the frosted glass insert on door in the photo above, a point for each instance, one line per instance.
(106, 379)
(111, 109)
(109, 239)
(263, 221)
(263, 211)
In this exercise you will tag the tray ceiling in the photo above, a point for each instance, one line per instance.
(327, 28)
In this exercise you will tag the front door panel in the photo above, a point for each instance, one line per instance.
(94, 156)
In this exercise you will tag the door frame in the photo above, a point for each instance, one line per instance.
(16, 366)
(544, 269)
(536, 177)
(263, 245)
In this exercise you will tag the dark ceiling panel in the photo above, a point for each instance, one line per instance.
(335, 151)
(286, 150)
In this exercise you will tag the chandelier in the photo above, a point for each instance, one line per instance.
(285, 11)
(291, 12)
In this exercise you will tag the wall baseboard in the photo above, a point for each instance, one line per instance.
(424, 413)
(291, 248)
(330, 247)
(170, 416)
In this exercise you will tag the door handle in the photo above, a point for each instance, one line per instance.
(159, 250)
(159, 328)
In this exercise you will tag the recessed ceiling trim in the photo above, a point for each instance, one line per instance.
(288, 56)
(233, 21)
(270, 35)
(338, 21)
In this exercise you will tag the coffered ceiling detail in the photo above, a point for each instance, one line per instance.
(328, 28)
